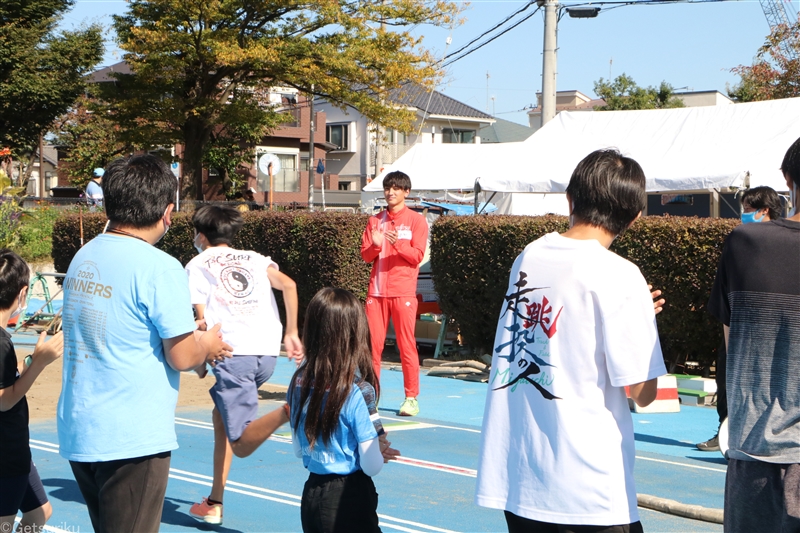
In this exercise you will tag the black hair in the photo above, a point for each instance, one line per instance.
(791, 163)
(137, 190)
(219, 224)
(397, 179)
(607, 190)
(763, 197)
(336, 340)
(14, 275)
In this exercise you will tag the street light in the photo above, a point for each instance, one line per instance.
(583, 12)
(552, 11)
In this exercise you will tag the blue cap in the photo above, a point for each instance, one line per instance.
(98, 172)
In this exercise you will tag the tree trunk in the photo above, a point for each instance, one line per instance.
(196, 134)
(25, 176)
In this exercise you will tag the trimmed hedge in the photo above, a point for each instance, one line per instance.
(315, 249)
(471, 258)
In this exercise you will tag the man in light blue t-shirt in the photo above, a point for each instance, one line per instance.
(128, 332)
(94, 189)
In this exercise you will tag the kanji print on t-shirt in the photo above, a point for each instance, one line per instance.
(533, 324)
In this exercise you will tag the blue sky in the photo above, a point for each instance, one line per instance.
(691, 45)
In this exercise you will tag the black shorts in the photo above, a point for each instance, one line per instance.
(339, 504)
(21, 493)
(518, 524)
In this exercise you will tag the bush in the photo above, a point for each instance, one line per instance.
(471, 258)
(34, 243)
(315, 249)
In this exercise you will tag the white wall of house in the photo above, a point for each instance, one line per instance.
(357, 162)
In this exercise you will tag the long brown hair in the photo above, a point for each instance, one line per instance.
(337, 344)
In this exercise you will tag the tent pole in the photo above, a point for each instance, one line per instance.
(476, 190)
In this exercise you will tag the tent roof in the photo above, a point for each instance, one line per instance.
(683, 149)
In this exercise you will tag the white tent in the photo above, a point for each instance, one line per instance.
(688, 149)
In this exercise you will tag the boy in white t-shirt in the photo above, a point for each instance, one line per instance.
(577, 327)
(234, 287)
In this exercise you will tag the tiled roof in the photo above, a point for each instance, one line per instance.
(103, 75)
(504, 131)
(435, 104)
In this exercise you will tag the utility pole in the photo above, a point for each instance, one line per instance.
(379, 133)
(41, 167)
(311, 154)
(549, 59)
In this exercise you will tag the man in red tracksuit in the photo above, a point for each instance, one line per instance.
(395, 240)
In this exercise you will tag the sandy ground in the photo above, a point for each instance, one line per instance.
(43, 396)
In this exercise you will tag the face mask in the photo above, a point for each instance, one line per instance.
(166, 226)
(16, 313)
(749, 218)
(20, 305)
(794, 196)
(197, 244)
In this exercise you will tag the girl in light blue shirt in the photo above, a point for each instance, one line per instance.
(332, 427)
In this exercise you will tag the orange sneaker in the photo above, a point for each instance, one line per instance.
(210, 513)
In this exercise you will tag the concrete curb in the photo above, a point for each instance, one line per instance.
(695, 512)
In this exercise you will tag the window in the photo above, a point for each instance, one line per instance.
(286, 179)
(337, 134)
(395, 137)
(458, 136)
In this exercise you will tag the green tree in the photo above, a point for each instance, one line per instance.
(41, 71)
(200, 66)
(623, 94)
(89, 138)
(775, 73)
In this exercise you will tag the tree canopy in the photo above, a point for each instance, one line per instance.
(41, 70)
(202, 69)
(624, 94)
(775, 73)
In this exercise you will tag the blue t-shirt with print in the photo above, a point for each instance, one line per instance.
(340, 455)
(122, 296)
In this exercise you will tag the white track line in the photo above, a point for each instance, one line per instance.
(430, 425)
(681, 464)
(256, 492)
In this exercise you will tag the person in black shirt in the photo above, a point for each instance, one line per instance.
(20, 486)
(759, 204)
(755, 296)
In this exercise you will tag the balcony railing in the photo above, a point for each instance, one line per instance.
(285, 180)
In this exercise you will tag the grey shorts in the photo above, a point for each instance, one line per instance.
(235, 393)
(762, 497)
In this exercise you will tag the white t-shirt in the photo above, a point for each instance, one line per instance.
(577, 325)
(234, 287)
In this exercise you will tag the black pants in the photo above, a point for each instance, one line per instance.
(722, 390)
(126, 495)
(518, 524)
(339, 504)
(762, 497)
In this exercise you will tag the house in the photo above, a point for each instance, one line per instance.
(577, 101)
(565, 101)
(439, 119)
(702, 98)
(287, 148)
(504, 131)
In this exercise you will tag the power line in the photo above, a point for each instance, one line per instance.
(490, 30)
(468, 52)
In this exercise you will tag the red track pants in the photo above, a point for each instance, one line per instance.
(403, 312)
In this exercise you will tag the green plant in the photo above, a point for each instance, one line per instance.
(10, 214)
(472, 256)
(315, 249)
(35, 234)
